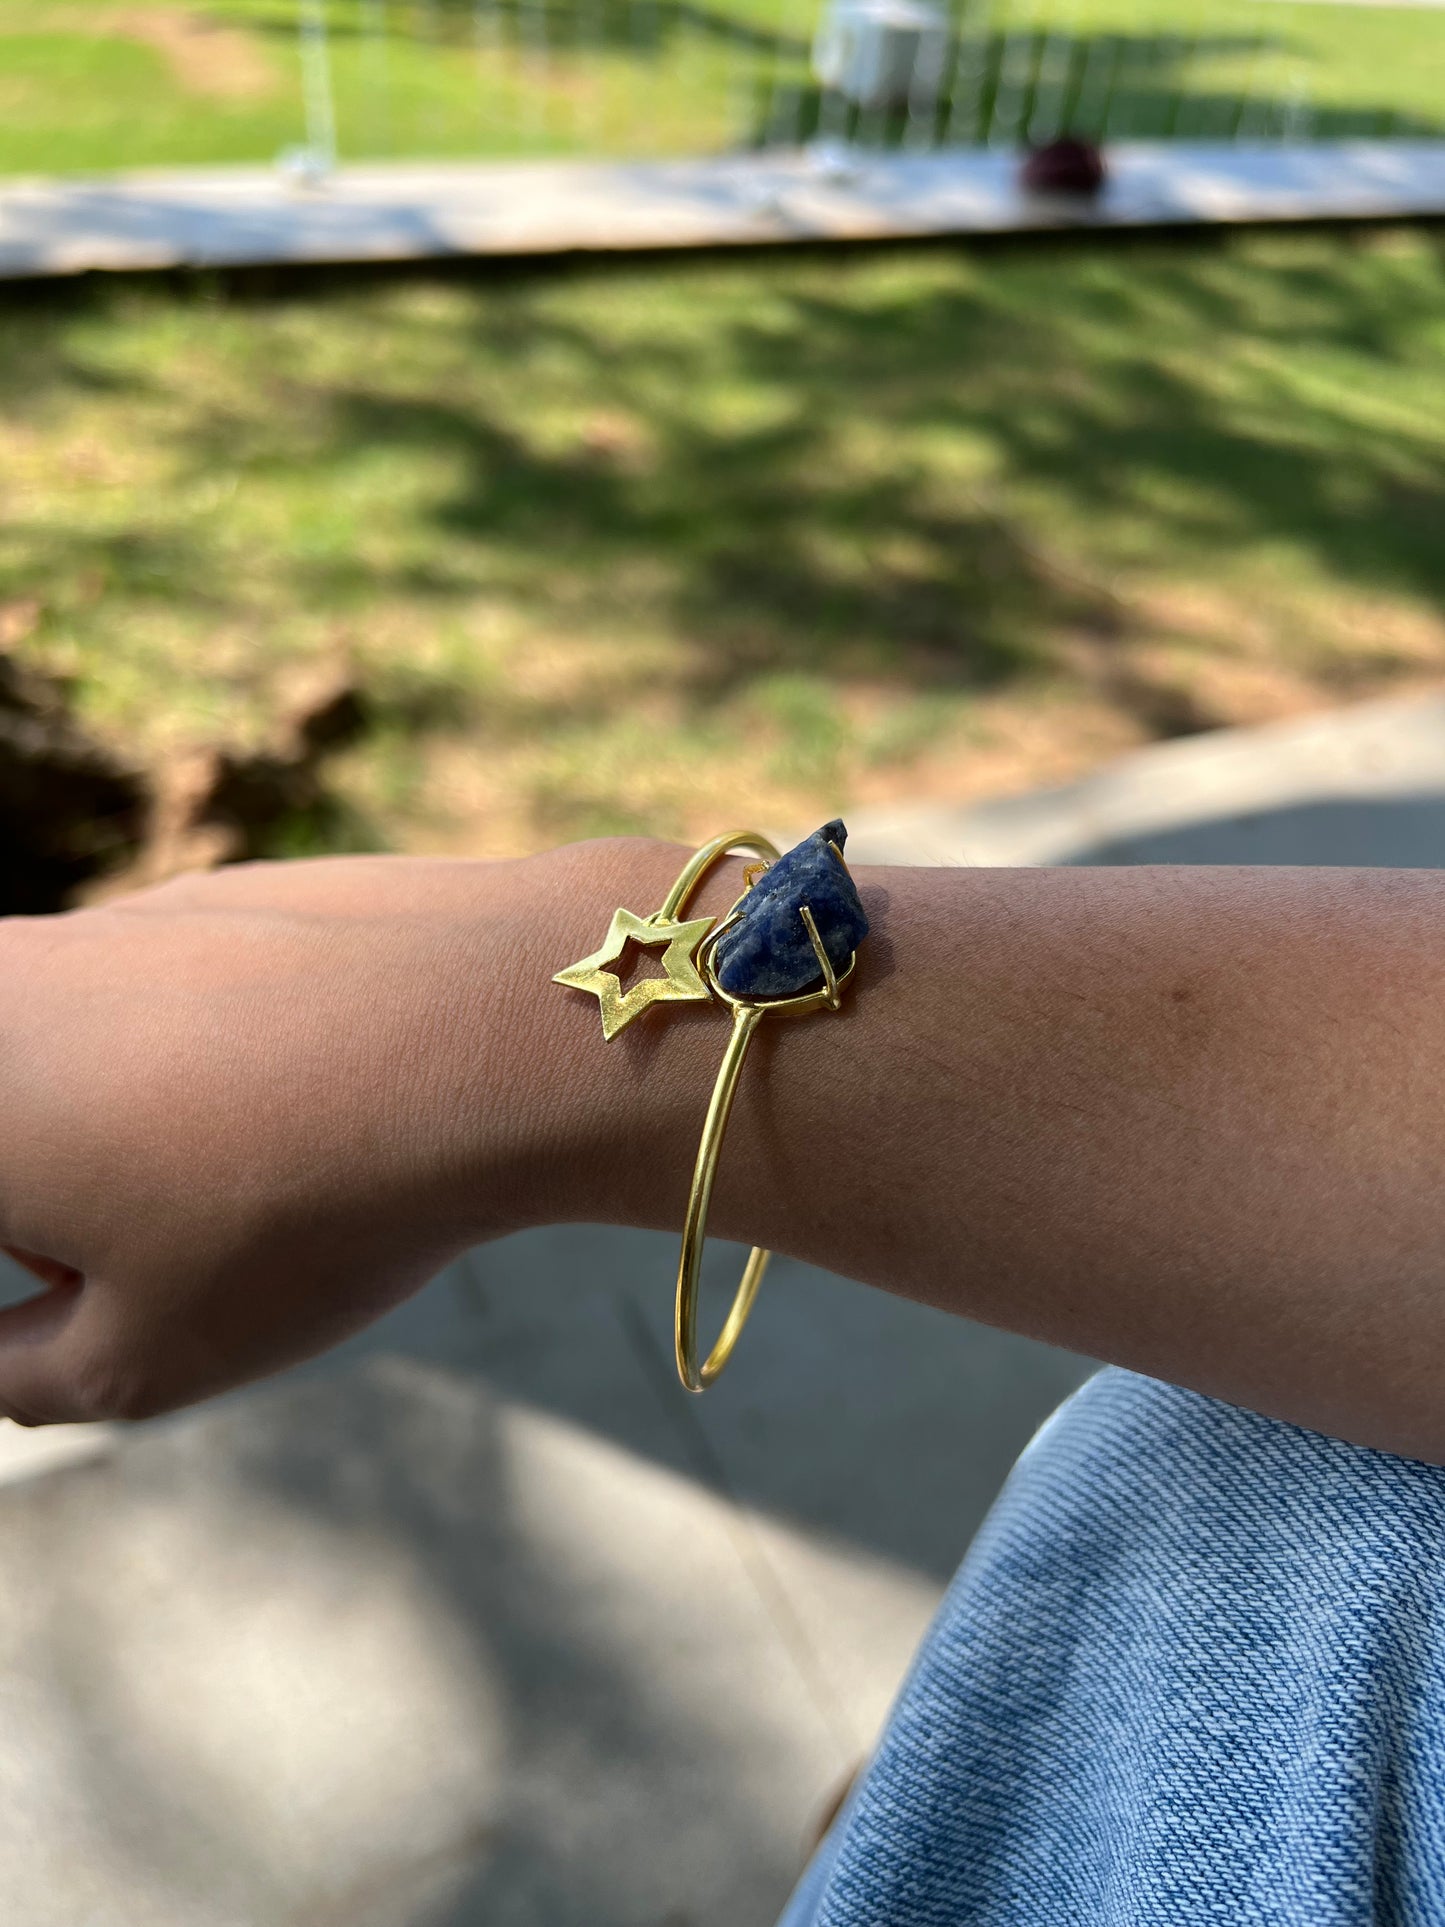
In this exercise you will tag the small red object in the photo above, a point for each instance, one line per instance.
(1065, 166)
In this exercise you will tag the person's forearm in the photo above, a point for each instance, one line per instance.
(1187, 1120)
(1190, 1120)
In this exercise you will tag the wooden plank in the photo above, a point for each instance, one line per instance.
(246, 216)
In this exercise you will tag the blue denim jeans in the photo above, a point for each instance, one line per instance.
(1192, 1670)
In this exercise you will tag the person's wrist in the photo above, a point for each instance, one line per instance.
(611, 1127)
(627, 1109)
(558, 1124)
(572, 1127)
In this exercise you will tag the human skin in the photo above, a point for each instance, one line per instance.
(1187, 1120)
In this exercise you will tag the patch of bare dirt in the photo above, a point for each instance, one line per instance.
(219, 805)
(1012, 743)
(79, 823)
(70, 810)
(206, 56)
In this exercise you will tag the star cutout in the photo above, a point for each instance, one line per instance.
(681, 982)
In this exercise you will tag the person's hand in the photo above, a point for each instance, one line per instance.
(246, 1112)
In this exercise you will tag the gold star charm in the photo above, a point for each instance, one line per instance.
(681, 982)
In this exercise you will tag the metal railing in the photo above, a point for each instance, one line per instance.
(387, 79)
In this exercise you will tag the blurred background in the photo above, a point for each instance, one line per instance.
(100, 84)
(1084, 546)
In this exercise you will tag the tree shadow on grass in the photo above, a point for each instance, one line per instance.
(786, 546)
(917, 467)
(1005, 86)
(1137, 85)
(643, 28)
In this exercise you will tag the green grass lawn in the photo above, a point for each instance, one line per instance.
(100, 84)
(663, 545)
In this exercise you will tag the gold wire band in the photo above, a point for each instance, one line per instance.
(697, 1377)
(747, 1015)
(688, 976)
(703, 860)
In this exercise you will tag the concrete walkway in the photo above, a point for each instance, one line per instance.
(480, 1621)
(243, 216)
(1364, 785)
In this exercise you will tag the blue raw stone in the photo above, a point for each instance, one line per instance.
(767, 952)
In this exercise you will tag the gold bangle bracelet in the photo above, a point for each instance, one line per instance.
(690, 975)
(747, 1015)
